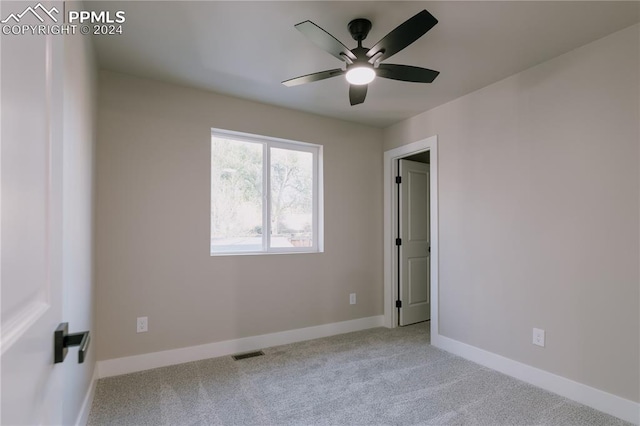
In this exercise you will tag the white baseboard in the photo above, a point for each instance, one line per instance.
(592, 397)
(132, 364)
(83, 415)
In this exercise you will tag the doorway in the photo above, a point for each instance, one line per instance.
(413, 244)
(392, 269)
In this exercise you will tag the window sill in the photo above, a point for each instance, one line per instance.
(262, 253)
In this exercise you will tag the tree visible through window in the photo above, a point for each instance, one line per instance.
(264, 194)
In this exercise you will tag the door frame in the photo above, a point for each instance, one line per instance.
(390, 221)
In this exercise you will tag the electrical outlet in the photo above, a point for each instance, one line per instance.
(538, 337)
(142, 325)
(352, 299)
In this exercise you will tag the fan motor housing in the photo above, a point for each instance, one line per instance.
(359, 28)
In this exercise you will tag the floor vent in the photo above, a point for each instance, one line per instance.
(247, 355)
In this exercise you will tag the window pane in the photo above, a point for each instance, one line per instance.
(291, 198)
(236, 196)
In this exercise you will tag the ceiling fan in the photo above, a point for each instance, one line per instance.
(363, 64)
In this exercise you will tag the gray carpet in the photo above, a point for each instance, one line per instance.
(372, 377)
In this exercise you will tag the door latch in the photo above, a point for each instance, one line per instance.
(62, 340)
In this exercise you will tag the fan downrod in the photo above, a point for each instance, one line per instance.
(359, 28)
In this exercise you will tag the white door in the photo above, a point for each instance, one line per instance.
(30, 222)
(415, 256)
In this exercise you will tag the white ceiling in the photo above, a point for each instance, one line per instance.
(245, 49)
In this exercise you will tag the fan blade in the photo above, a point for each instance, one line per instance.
(357, 93)
(325, 41)
(406, 73)
(310, 78)
(401, 37)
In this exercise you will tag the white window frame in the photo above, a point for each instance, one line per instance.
(267, 142)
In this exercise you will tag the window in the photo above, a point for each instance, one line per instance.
(265, 195)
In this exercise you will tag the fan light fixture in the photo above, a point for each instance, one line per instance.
(360, 75)
(363, 65)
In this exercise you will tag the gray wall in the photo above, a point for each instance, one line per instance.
(152, 223)
(539, 220)
(80, 79)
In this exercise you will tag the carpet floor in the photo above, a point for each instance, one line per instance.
(373, 377)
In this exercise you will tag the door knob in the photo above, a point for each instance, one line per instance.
(62, 340)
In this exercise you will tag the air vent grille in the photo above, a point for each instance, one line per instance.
(238, 357)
